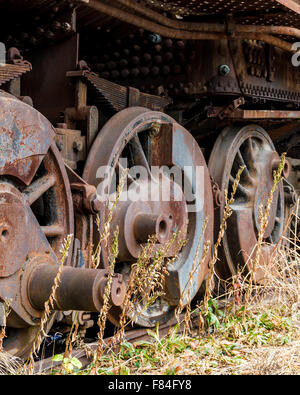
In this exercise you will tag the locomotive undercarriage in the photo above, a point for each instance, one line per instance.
(80, 92)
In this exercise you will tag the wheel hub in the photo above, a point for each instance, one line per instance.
(139, 220)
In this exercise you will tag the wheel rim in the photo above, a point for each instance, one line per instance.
(133, 128)
(249, 146)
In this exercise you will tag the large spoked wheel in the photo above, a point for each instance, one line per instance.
(144, 141)
(248, 146)
(50, 201)
(36, 212)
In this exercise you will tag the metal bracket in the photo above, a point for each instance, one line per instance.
(84, 194)
(216, 112)
(217, 193)
(290, 194)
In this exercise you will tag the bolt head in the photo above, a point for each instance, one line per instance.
(96, 204)
(77, 145)
(224, 69)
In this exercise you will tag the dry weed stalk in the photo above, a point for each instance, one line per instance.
(2, 336)
(264, 218)
(295, 230)
(71, 338)
(189, 285)
(227, 213)
(132, 288)
(146, 280)
(151, 277)
(49, 304)
(9, 365)
(106, 298)
(106, 228)
(187, 315)
(284, 280)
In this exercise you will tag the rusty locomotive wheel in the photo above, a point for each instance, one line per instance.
(36, 212)
(143, 140)
(248, 146)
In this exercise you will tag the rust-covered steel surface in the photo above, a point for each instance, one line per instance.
(36, 215)
(221, 7)
(260, 12)
(139, 84)
(288, 8)
(25, 137)
(269, 12)
(80, 289)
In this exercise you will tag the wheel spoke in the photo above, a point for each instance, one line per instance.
(129, 176)
(242, 163)
(53, 230)
(38, 188)
(240, 188)
(139, 154)
(251, 146)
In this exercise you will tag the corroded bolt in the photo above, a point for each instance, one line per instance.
(123, 62)
(157, 59)
(96, 204)
(155, 70)
(49, 34)
(115, 74)
(111, 65)
(145, 70)
(125, 73)
(77, 145)
(135, 72)
(155, 129)
(66, 26)
(135, 60)
(168, 56)
(166, 69)
(105, 74)
(137, 48)
(147, 57)
(168, 43)
(224, 69)
(60, 145)
(40, 31)
(56, 25)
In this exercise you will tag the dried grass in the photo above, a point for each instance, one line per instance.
(257, 331)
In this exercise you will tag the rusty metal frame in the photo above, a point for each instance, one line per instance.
(253, 114)
(291, 4)
(195, 31)
(209, 27)
(114, 97)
